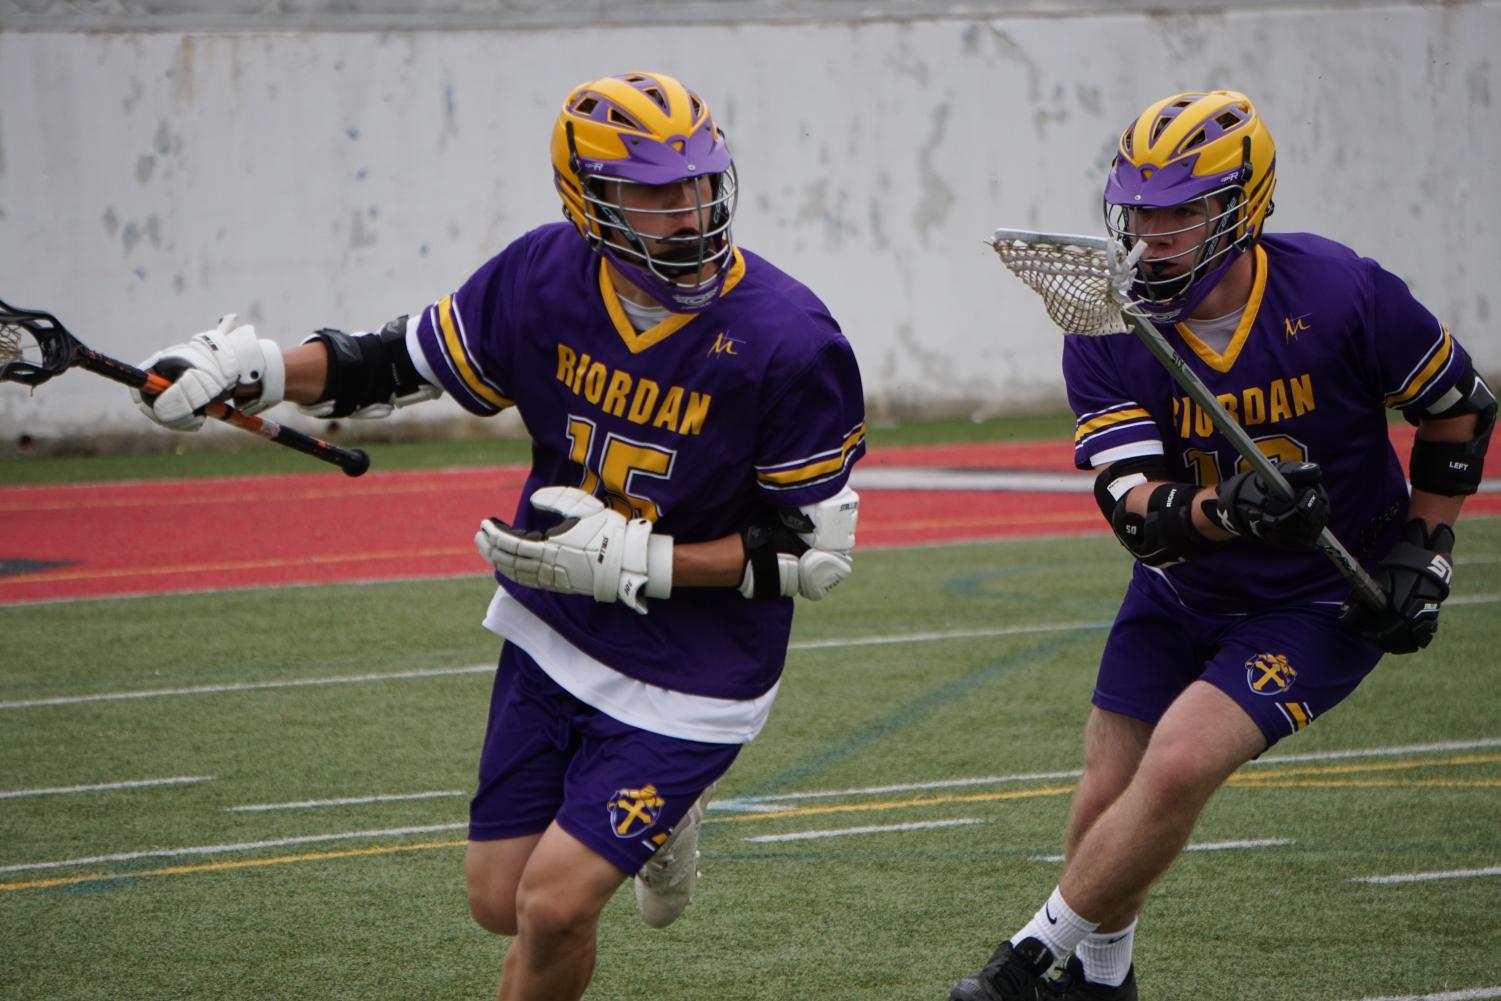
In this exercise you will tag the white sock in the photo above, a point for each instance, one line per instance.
(1056, 926)
(1106, 956)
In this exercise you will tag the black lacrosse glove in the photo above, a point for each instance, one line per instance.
(1415, 576)
(1248, 506)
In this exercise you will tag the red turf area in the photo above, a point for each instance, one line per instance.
(91, 540)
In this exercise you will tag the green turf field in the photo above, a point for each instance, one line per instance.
(942, 687)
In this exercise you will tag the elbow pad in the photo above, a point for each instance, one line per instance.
(1455, 468)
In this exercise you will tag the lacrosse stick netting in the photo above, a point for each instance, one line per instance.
(1071, 273)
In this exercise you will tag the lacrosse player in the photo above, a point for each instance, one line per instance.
(695, 414)
(1232, 634)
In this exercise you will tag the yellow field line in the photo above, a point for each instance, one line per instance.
(182, 870)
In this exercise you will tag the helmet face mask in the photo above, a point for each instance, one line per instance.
(646, 176)
(1189, 244)
(1206, 160)
(639, 238)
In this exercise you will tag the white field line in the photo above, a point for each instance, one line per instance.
(769, 803)
(437, 672)
(1207, 846)
(748, 803)
(107, 786)
(244, 846)
(1473, 994)
(920, 825)
(1378, 752)
(244, 686)
(309, 804)
(1427, 877)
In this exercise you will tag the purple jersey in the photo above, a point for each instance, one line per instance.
(695, 423)
(1327, 342)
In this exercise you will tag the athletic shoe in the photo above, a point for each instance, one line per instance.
(1071, 985)
(664, 886)
(1013, 974)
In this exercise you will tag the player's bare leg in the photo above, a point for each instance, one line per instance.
(1113, 748)
(492, 871)
(1200, 741)
(558, 899)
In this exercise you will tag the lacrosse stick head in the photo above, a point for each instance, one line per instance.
(1073, 274)
(34, 347)
(1209, 152)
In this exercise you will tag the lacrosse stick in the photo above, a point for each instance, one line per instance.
(1073, 276)
(35, 347)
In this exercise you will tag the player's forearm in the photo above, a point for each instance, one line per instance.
(307, 372)
(307, 375)
(719, 563)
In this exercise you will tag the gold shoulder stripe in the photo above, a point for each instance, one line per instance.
(1419, 382)
(817, 469)
(455, 348)
(1114, 417)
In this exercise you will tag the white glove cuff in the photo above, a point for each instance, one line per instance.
(273, 369)
(659, 566)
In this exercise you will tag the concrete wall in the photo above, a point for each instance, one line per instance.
(152, 180)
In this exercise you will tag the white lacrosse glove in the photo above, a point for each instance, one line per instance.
(804, 552)
(207, 369)
(1122, 268)
(594, 551)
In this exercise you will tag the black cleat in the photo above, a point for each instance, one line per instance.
(1014, 973)
(1072, 985)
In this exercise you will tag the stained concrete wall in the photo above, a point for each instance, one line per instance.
(152, 180)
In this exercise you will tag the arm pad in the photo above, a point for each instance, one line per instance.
(369, 375)
(1167, 534)
(1455, 468)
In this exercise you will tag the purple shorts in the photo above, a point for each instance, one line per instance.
(1284, 666)
(548, 756)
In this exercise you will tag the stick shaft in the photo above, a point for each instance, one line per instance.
(1364, 585)
(352, 461)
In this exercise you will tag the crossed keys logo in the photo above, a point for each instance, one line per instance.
(1269, 673)
(634, 810)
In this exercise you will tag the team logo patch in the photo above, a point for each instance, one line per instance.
(1270, 674)
(724, 345)
(634, 810)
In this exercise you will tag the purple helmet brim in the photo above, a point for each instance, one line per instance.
(652, 161)
(1174, 184)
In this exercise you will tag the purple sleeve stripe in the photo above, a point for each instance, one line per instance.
(1429, 369)
(1120, 421)
(453, 342)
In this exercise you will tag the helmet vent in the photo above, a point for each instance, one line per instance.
(1228, 120)
(696, 106)
(1163, 121)
(1195, 140)
(617, 117)
(656, 95)
(586, 106)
